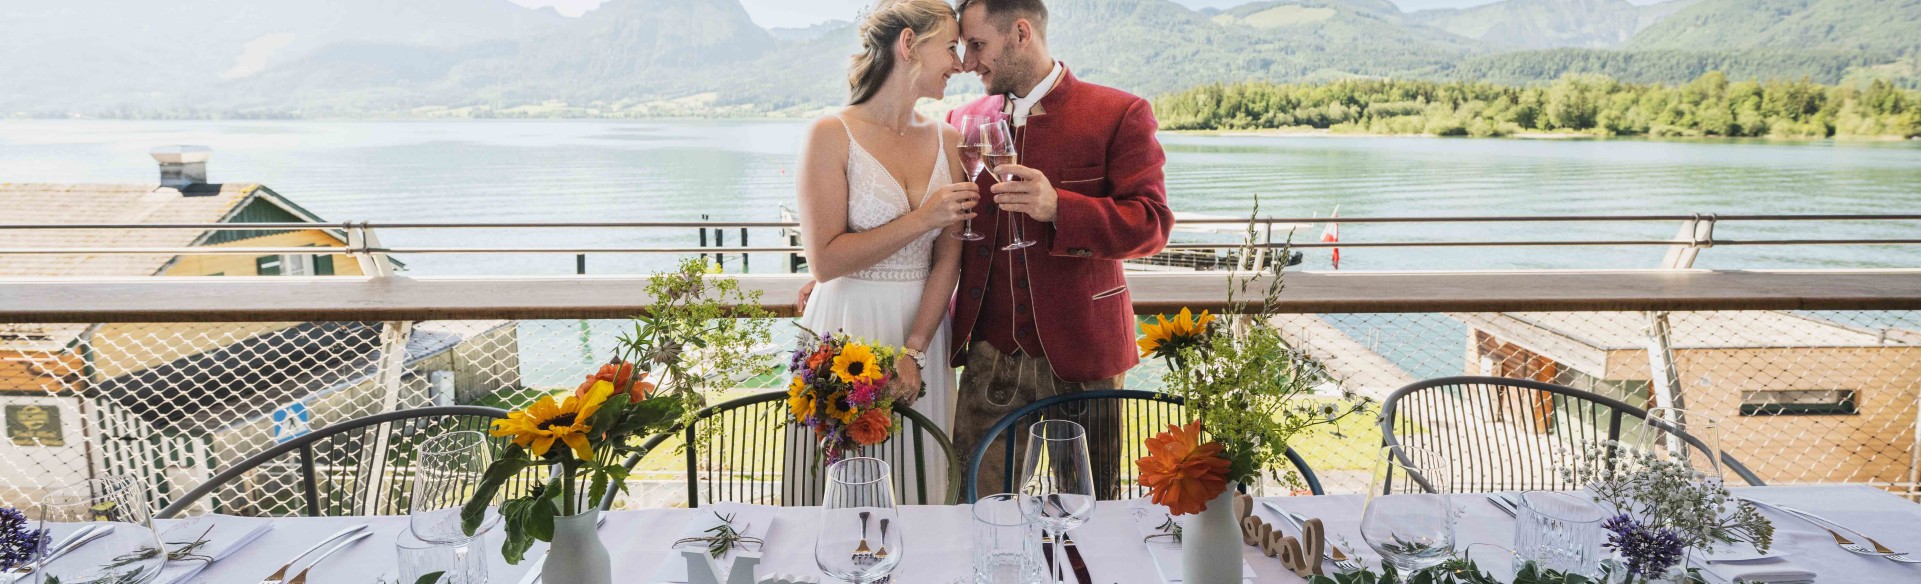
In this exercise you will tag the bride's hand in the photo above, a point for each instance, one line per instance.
(906, 386)
(949, 205)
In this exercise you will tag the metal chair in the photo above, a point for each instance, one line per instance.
(356, 467)
(753, 455)
(1141, 414)
(1511, 434)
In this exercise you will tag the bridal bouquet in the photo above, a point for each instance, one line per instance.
(839, 389)
(697, 335)
(1250, 391)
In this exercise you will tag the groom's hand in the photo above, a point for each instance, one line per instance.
(1032, 194)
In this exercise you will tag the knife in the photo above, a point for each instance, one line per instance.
(1075, 561)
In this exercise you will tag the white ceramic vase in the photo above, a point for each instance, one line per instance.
(1211, 543)
(577, 555)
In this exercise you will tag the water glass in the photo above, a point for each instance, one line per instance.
(1411, 527)
(419, 558)
(1691, 439)
(1559, 531)
(859, 539)
(130, 550)
(448, 469)
(1007, 546)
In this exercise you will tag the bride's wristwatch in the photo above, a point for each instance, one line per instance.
(920, 358)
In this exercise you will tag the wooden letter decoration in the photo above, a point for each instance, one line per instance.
(1303, 555)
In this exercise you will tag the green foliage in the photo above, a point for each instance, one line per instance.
(430, 578)
(1461, 571)
(1710, 105)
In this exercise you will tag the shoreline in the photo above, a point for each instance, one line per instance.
(1304, 132)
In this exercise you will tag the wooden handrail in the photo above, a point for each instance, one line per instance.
(350, 298)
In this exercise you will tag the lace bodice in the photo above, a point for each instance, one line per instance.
(874, 199)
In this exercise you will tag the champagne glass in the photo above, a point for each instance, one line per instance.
(448, 469)
(1059, 483)
(999, 140)
(972, 162)
(1412, 529)
(859, 498)
(120, 545)
(1687, 438)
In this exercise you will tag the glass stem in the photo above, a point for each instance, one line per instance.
(1060, 566)
(460, 564)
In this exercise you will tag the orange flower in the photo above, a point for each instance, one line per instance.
(621, 374)
(1181, 472)
(819, 357)
(870, 428)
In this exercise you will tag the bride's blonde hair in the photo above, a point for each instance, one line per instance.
(878, 31)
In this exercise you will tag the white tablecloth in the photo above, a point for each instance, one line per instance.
(936, 539)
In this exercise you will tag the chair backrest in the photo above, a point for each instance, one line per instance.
(744, 450)
(1141, 414)
(1512, 434)
(362, 466)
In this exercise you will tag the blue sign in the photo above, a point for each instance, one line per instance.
(291, 421)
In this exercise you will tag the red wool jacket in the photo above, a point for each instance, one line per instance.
(1097, 147)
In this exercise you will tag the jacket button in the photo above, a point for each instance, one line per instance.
(975, 292)
(982, 251)
(1022, 283)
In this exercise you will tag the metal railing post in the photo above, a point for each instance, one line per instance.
(1664, 375)
(362, 243)
(387, 380)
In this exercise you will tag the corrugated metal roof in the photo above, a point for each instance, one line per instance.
(106, 203)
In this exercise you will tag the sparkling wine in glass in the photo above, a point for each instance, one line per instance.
(859, 539)
(972, 162)
(1408, 517)
(999, 140)
(448, 469)
(1058, 488)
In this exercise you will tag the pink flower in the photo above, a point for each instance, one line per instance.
(864, 394)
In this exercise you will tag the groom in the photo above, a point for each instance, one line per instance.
(1054, 318)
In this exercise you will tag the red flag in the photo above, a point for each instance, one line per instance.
(1332, 234)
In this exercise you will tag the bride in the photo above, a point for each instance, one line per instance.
(880, 197)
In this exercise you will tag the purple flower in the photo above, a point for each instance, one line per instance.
(1649, 552)
(799, 358)
(17, 542)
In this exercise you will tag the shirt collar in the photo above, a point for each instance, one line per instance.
(1023, 104)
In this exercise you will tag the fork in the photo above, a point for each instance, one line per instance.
(280, 575)
(301, 578)
(862, 553)
(1333, 553)
(1846, 544)
(79, 537)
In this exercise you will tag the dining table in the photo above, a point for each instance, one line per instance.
(936, 547)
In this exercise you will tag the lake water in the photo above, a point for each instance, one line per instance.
(743, 170)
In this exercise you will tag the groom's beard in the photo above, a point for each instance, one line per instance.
(1006, 73)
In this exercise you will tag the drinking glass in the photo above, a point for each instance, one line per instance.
(1006, 544)
(1059, 481)
(122, 547)
(1559, 531)
(448, 469)
(1691, 439)
(420, 558)
(972, 162)
(859, 497)
(999, 140)
(1411, 527)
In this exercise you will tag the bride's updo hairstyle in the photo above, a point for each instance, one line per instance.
(878, 32)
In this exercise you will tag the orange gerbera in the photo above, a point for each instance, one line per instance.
(1181, 472)
(621, 374)
(870, 428)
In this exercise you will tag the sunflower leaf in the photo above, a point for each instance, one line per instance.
(510, 463)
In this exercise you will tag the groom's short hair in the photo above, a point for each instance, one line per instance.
(1003, 12)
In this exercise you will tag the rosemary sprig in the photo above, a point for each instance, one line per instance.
(724, 537)
(1169, 529)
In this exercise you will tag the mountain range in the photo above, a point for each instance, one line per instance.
(280, 58)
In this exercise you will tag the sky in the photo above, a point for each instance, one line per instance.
(799, 13)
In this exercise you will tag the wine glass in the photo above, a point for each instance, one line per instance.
(1690, 439)
(971, 146)
(119, 544)
(1413, 528)
(859, 498)
(998, 139)
(1059, 481)
(448, 470)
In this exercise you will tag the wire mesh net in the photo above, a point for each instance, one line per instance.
(1800, 397)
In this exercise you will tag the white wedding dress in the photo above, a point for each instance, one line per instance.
(879, 303)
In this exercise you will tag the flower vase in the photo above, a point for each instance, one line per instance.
(1211, 543)
(577, 555)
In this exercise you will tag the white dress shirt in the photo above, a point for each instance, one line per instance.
(1022, 105)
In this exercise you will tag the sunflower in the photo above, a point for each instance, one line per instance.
(1170, 335)
(1181, 472)
(839, 409)
(799, 400)
(538, 426)
(857, 362)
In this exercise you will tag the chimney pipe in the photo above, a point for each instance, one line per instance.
(182, 166)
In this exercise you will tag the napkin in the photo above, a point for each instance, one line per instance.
(1166, 554)
(751, 520)
(225, 534)
(1760, 571)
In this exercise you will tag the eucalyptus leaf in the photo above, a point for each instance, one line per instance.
(430, 578)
